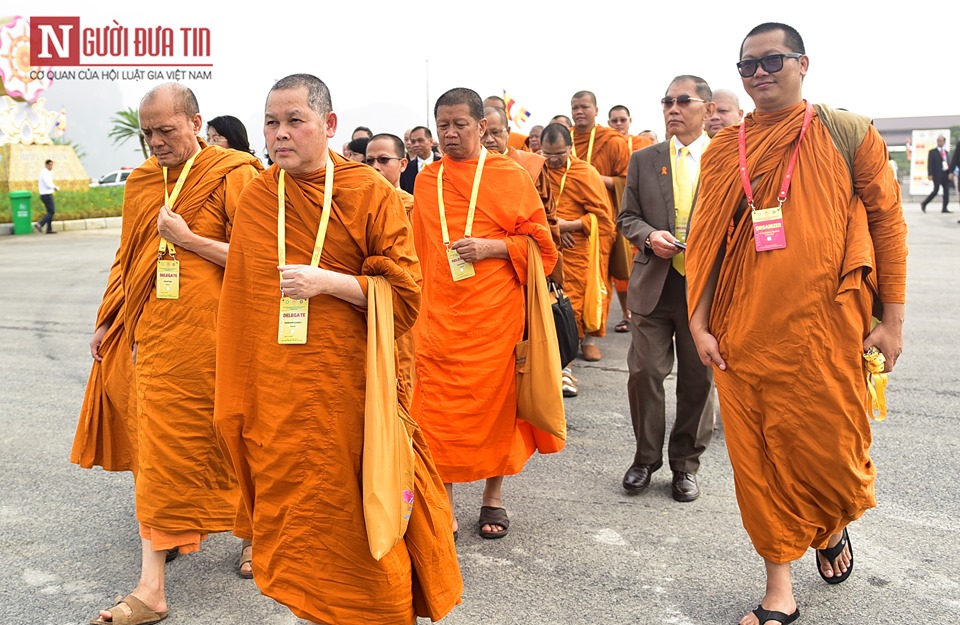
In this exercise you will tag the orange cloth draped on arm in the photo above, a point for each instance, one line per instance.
(535, 165)
(518, 141)
(184, 485)
(405, 349)
(583, 194)
(465, 397)
(791, 322)
(107, 429)
(291, 416)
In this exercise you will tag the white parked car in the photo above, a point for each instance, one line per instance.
(116, 178)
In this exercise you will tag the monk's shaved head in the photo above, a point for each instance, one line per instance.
(791, 38)
(585, 94)
(318, 95)
(492, 110)
(398, 147)
(184, 99)
(495, 101)
(556, 133)
(462, 95)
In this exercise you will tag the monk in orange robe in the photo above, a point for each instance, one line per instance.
(107, 429)
(580, 193)
(517, 140)
(184, 198)
(786, 328)
(495, 140)
(619, 119)
(291, 415)
(608, 152)
(465, 397)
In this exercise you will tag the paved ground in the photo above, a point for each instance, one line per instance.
(579, 551)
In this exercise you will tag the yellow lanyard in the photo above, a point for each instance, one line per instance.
(630, 142)
(324, 218)
(563, 181)
(473, 200)
(593, 134)
(170, 198)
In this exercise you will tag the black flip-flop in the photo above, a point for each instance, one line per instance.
(832, 553)
(622, 326)
(764, 615)
(490, 515)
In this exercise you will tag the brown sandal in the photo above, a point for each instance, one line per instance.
(490, 515)
(140, 614)
(246, 557)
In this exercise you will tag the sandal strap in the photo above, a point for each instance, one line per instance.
(764, 615)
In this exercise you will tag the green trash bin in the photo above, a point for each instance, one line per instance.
(20, 209)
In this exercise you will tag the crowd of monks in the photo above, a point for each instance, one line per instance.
(247, 308)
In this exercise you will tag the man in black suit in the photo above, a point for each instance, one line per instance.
(661, 184)
(939, 170)
(421, 142)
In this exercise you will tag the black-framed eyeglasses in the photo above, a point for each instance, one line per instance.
(772, 63)
(681, 100)
(383, 160)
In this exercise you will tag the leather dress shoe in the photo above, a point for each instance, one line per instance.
(638, 477)
(684, 486)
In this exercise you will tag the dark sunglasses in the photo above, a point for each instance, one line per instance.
(681, 100)
(383, 160)
(771, 64)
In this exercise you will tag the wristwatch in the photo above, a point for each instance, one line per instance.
(646, 243)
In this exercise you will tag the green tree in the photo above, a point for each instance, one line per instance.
(126, 125)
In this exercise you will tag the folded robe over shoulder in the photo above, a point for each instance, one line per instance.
(791, 322)
(583, 194)
(184, 482)
(465, 395)
(291, 416)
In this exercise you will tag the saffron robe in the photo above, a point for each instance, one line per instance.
(583, 194)
(184, 483)
(791, 322)
(465, 395)
(535, 165)
(518, 141)
(291, 416)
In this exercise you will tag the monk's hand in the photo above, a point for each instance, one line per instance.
(887, 336)
(708, 348)
(661, 242)
(303, 281)
(173, 228)
(567, 241)
(473, 249)
(97, 339)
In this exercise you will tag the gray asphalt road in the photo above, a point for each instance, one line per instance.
(579, 549)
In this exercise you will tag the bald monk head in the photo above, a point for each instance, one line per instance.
(686, 104)
(298, 123)
(555, 143)
(619, 119)
(170, 120)
(583, 109)
(727, 112)
(562, 119)
(497, 135)
(460, 123)
(533, 139)
(495, 101)
(386, 154)
(650, 135)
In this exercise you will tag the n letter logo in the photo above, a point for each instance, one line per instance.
(54, 41)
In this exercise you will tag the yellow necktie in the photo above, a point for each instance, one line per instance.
(683, 199)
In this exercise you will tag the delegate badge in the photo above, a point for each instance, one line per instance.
(768, 229)
(293, 321)
(459, 268)
(168, 279)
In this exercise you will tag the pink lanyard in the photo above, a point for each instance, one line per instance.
(742, 149)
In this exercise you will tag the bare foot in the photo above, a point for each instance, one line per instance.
(840, 565)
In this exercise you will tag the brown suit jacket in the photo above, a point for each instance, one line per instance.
(647, 206)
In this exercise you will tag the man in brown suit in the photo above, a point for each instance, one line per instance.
(661, 184)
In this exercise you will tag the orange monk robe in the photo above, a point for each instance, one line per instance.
(518, 141)
(583, 194)
(185, 485)
(291, 416)
(465, 397)
(535, 165)
(791, 322)
(107, 429)
(405, 350)
(610, 157)
(638, 142)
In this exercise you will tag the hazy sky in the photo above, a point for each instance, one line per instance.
(386, 62)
